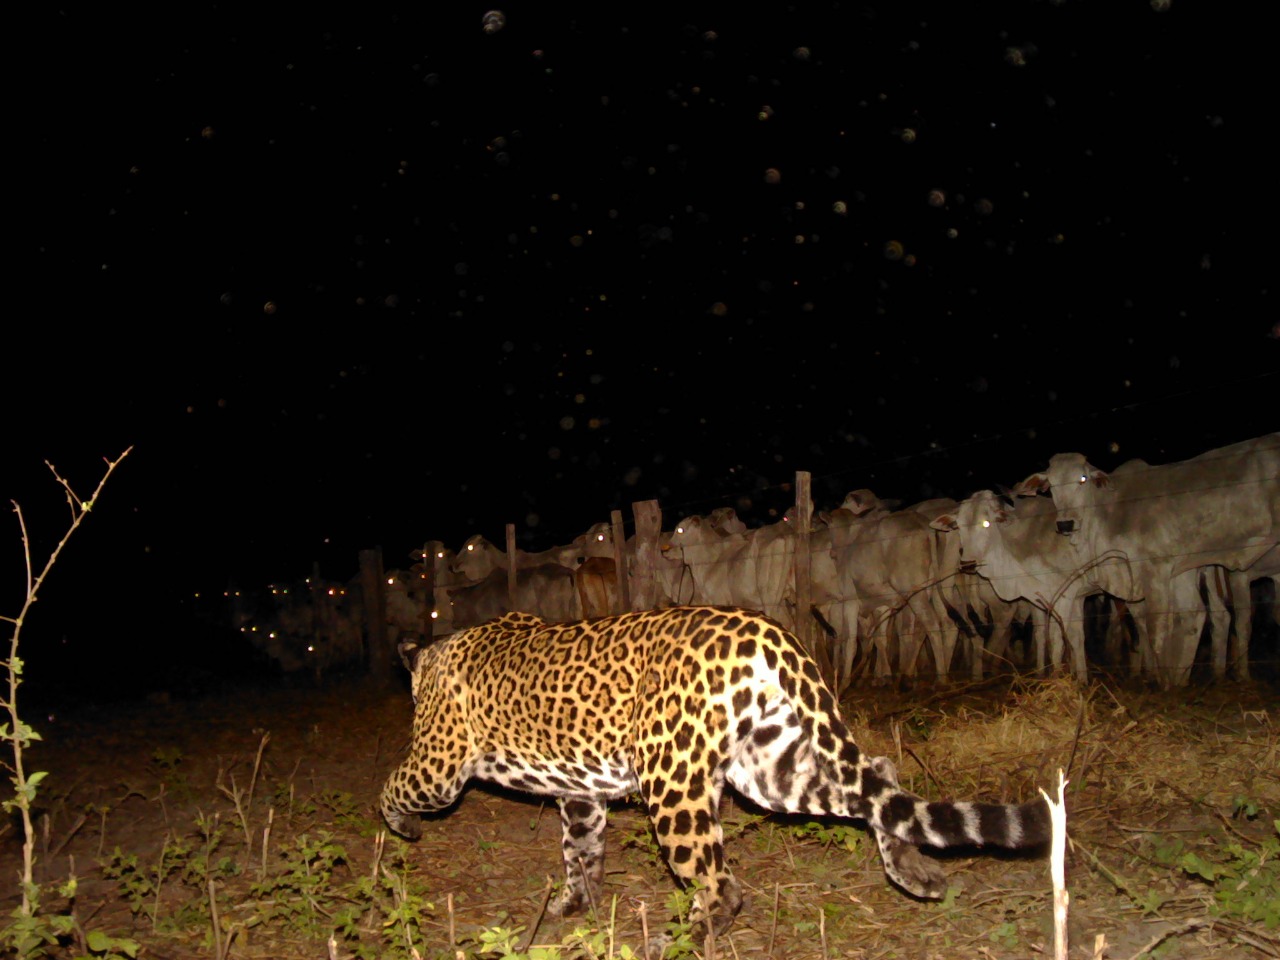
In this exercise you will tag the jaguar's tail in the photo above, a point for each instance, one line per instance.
(888, 807)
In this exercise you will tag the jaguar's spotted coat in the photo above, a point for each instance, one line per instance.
(670, 704)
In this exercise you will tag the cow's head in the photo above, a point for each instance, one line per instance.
(477, 559)
(979, 522)
(1074, 484)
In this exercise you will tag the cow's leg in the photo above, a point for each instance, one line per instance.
(875, 625)
(1159, 603)
(1184, 626)
(1041, 624)
(911, 630)
(1218, 610)
(1242, 622)
(938, 627)
(1074, 634)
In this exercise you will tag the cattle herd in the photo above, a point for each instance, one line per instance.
(1147, 569)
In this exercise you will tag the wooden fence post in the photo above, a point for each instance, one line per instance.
(622, 603)
(511, 566)
(804, 513)
(648, 516)
(375, 614)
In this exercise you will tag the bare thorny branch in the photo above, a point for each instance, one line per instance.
(15, 730)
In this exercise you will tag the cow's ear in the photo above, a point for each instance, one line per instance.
(946, 523)
(1034, 484)
(409, 651)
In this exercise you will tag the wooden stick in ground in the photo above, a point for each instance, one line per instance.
(1057, 868)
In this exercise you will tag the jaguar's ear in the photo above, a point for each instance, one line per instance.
(409, 653)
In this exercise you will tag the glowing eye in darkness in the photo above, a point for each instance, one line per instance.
(1083, 478)
(470, 547)
(986, 523)
(679, 529)
(600, 537)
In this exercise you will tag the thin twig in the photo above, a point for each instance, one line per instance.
(266, 842)
(773, 928)
(642, 908)
(75, 827)
(586, 882)
(453, 932)
(546, 898)
(928, 772)
(213, 918)
(1185, 927)
(257, 763)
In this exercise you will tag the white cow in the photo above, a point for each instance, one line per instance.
(1220, 508)
(697, 564)
(1238, 597)
(831, 604)
(547, 589)
(890, 562)
(444, 579)
(726, 521)
(969, 599)
(404, 605)
(834, 605)
(1017, 549)
(478, 558)
(771, 557)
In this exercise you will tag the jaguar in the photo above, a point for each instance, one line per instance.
(669, 704)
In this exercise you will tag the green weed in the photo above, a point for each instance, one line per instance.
(842, 835)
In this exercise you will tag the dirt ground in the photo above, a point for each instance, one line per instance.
(139, 776)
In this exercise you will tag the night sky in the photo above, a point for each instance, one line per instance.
(372, 278)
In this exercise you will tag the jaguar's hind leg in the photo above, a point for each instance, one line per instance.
(778, 769)
(582, 843)
(904, 864)
(910, 869)
(683, 806)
